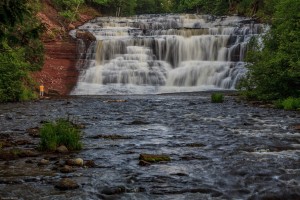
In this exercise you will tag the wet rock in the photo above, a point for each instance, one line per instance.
(115, 101)
(8, 117)
(296, 127)
(67, 169)
(66, 184)
(192, 157)
(151, 158)
(111, 137)
(75, 162)
(62, 149)
(195, 145)
(144, 163)
(90, 164)
(44, 162)
(28, 153)
(22, 142)
(33, 132)
(13, 154)
(85, 35)
(138, 122)
(113, 190)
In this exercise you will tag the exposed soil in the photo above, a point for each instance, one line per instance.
(59, 73)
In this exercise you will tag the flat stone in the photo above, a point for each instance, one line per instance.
(66, 184)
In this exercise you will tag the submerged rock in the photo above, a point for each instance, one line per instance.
(66, 184)
(151, 158)
(113, 190)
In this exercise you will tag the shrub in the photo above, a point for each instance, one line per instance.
(291, 103)
(60, 132)
(217, 98)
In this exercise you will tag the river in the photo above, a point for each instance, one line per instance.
(224, 150)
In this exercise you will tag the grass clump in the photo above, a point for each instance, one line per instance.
(289, 104)
(60, 132)
(217, 98)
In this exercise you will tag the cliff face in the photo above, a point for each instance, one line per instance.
(59, 73)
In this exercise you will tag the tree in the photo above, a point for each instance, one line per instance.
(274, 68)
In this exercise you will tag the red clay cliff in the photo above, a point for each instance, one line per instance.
(59, 73)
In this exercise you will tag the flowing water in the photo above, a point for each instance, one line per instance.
(218, 151)
(164, 53)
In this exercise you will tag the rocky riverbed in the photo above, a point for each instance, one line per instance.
(226, 150)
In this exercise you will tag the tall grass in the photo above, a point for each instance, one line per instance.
(60, 132)
(217, 98)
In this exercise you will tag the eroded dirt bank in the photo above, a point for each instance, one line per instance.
(59, 74)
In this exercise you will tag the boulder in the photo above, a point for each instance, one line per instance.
(66, 184)
(67, 169)
(85, 35)
(62, 149)
(44, 162)
(71, 27)
(75, 162)
(34, 132)
(90, 164)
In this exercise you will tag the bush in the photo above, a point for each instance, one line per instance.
(217, 98)
(60, 132)
(291, 103)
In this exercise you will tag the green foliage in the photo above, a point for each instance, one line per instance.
(217, 98)
(60, 132)
(289, 103)
(21, 51)
(68, 8)
(274, 69)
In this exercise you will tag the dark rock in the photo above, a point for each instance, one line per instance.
(113, 190)
(151, 158)
(67, 169)
(111, 137)
(144, 163)
(138, 122)
(85, 35)
(28, 153)
(8, 117)
(90, 164)
(33, 132)
(66, 184)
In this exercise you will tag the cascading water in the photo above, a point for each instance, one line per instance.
(164, 53)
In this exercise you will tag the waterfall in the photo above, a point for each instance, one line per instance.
(164, 53)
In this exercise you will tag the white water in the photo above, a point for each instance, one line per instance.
(170, 53)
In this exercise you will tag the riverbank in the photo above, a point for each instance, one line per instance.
(218, 151)
(59, 73)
